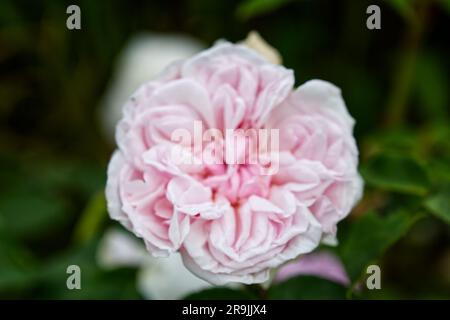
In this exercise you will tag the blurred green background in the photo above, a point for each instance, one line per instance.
(53, 154)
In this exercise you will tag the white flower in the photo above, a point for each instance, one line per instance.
(157, 278)
(143, 58)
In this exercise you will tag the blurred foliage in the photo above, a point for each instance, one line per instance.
(53, 156)
(252, 8)
(307, 287)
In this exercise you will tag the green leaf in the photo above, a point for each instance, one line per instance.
(307, 287)
(396, 173)
(368, 238)
(220, 293)
(439, 204)
(251, 8)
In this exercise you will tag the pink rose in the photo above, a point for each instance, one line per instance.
(230, 222)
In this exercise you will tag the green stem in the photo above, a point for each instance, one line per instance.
(404, 74)
(257, 290)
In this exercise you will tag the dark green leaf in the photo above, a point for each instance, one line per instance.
(368, 237)
(396, 173)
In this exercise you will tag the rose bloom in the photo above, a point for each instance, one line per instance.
(229, 222)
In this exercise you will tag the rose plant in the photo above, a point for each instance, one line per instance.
(229, 222)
